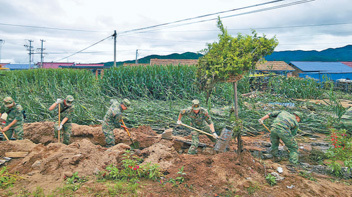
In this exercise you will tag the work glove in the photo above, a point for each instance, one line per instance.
(60, 127)
(179, 122)
(58, 101)
(260, 121)
(215, 135)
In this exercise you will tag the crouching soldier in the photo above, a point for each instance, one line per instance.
(66, 109)
(284, 127)
(14, 122)
(112, 120)
(199, 117)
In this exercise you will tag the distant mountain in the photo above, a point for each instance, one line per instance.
(146, 60)
(331, 54)
(328, 55)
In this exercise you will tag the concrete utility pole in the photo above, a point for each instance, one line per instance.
(41, 53)
(30, 49)
(137, 56)
(114, 35)
(2, 42)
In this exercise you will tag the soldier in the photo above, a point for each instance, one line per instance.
(66, 110)
(14, 123)
(198, 117)
(112, 120)
(284, 127)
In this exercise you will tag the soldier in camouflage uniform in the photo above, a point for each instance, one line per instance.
(66, 110)
(284, 127)
(199, 117)
(112, 120)
(14, 122)
(346, 120)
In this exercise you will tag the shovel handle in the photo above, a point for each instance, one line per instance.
(5, 135)
(58, 132)
(270, 132)
(129, 135)
(200, 131)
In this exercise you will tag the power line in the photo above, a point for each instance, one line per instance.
(201, 16)
(240, 14)
(51, 28)
(84, 49)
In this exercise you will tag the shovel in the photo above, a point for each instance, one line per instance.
(200, 131)
(58, 132)
(5, 135)
(135, 145)
(270, 132)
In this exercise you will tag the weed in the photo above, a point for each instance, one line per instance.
(74, 183)
(253, 187)
(6, 179)
(307, 175)
(271, 179)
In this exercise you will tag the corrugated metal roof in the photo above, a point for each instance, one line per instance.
(18, 66)
(322, 67)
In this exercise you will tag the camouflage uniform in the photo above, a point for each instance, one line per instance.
(112, 120)
(66, 131)
(284, 127)
(14, 113)
(346, 120)
(198, 121)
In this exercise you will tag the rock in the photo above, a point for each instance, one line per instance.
(36, 164)
(68, 174)
(96, 171)
(277, 176)
(167, 134)
(290, 187)
(280, 170)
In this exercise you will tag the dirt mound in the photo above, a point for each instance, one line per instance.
(207, 174)
(43, 132)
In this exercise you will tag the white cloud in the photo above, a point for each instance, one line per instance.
(292, 26)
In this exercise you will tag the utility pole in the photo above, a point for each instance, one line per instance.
(137, 56)
(2, 42)
(30, 49)
(41, 53)
(114, 35)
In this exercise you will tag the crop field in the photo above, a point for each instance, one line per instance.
(158, 93)
(161, 167)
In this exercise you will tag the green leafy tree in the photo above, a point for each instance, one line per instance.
(230, 58)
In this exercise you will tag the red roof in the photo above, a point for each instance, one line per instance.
(90, 65)
(348, 64)
(55, 64)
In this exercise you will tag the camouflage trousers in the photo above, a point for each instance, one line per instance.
(17, 130)
(288, 139)
(108, 130)
(195, 139)
(65, 132)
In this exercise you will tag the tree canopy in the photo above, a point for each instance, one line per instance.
(232, 57)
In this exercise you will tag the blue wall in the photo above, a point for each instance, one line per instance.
(323, 76)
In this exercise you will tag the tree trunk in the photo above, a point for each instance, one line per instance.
(239, 140)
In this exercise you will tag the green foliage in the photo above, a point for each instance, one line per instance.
(307, 175)
(292, 87)
(340, 151)
(131, 170)
(75, 182)
(122, 187)
(271, 179)
(232, 56)
(253, 187)
(6, 179)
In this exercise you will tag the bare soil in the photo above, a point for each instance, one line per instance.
(207, 174)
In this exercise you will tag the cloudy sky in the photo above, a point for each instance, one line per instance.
(162, 27)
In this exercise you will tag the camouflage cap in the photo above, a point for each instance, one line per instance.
(69, 99)
(126, 102)
(195, 104)
(299, 114)
(8, 101)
